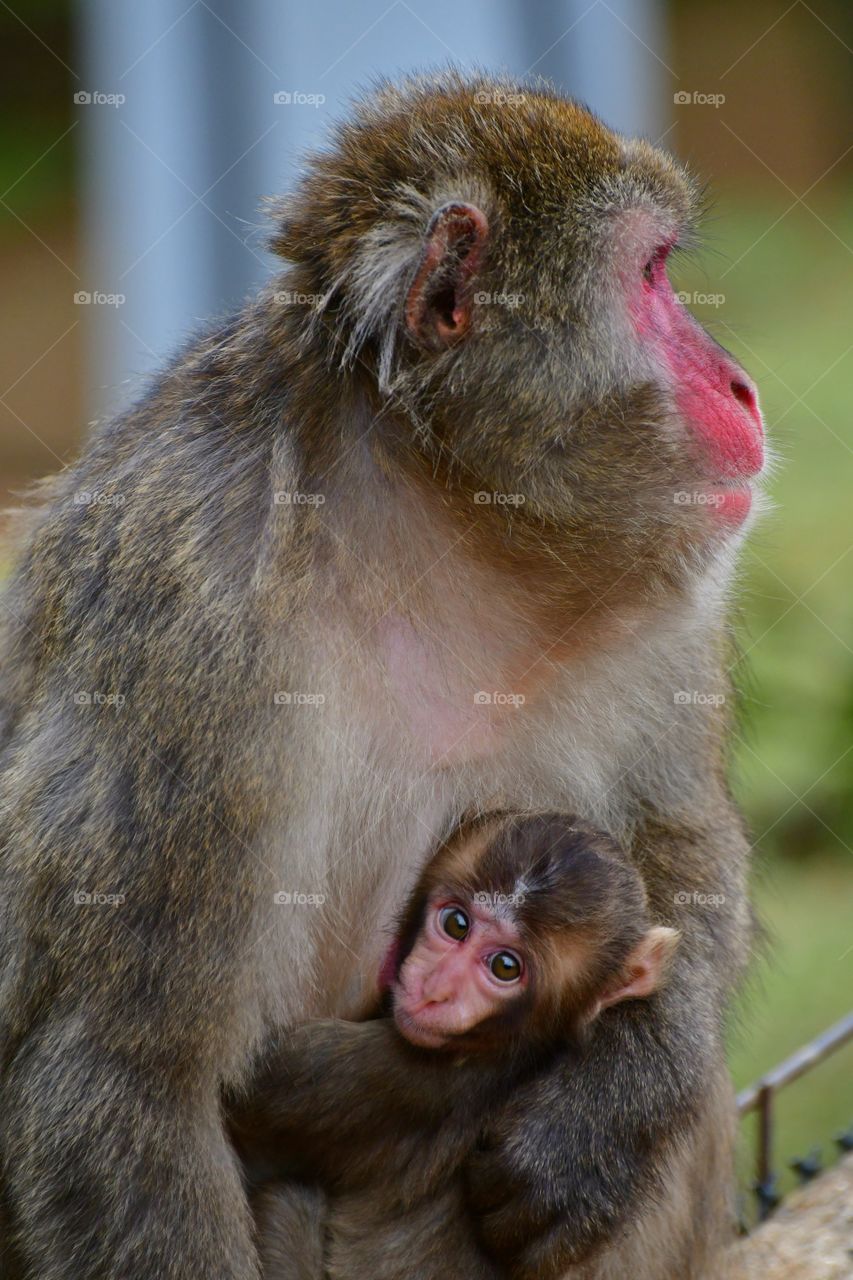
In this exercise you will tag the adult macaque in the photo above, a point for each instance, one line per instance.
(519, 933)
(401, 554)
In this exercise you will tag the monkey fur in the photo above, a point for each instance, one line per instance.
(313, 631)
(386, 1127)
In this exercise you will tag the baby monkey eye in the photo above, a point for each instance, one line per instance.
(505, 966)
(455, 923)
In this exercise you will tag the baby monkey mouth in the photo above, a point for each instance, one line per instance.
(417, 1032)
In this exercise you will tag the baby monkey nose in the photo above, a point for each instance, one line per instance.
(438, 988)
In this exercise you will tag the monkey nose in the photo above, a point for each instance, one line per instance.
(443, 984)
(436, 989)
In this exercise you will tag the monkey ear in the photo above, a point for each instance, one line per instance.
(439, 302)
(645, 968)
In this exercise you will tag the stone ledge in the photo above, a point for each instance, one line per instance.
(810, 1237)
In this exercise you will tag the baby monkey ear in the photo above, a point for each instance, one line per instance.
(439, 303)
(645, 969)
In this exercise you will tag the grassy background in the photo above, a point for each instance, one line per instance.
(787, 314)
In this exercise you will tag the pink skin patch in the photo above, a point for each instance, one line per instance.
(437, 707)
(388, 967)
(716, 399)
(732, 506)
(446, 985)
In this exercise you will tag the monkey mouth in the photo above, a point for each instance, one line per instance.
(417, 1032)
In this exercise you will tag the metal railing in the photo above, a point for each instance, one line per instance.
(760, 1097)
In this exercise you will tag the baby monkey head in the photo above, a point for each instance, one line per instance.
(522, 929)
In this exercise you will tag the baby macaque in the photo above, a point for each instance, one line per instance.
(520, 933)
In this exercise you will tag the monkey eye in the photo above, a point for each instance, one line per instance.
(505, 966)
(454, 922)
(655, 263)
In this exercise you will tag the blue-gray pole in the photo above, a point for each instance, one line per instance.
(220, 97)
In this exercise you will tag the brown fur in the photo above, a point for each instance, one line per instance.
(198, 596)
(387, 1129)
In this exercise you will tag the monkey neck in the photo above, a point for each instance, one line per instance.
(472, 640)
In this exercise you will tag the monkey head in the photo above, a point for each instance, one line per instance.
(521, 931)
(491, 267)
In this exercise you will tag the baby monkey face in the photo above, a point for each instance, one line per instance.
(466, 965)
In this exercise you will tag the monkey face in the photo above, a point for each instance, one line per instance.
(500, 292)
(571, 372)
(466, 966)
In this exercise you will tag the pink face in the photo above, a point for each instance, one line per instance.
(465, 965)
(716, 399)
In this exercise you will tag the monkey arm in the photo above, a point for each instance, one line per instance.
(576, 1153)
(347, 1100)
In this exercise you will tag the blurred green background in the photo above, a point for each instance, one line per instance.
(779, 251)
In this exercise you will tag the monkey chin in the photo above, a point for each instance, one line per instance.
(731, 504)
(724, 509)
(416, 1033)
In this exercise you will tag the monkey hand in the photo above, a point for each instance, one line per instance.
(574, 1154)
